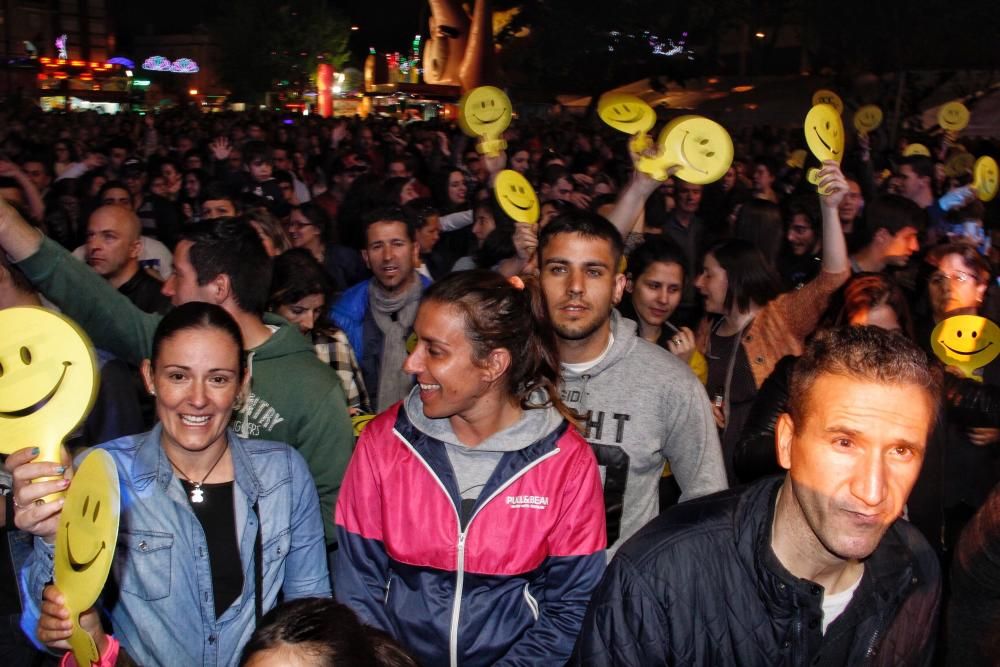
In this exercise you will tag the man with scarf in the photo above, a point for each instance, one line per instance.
(377, 315)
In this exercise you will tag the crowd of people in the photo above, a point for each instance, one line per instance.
(668, 424)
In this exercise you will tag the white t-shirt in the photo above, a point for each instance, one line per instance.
(585, 366)
(835, 604)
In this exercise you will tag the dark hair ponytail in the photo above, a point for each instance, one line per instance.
(509, 314)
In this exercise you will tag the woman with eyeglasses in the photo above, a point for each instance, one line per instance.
(308, 227)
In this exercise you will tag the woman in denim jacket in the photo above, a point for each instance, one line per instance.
(213, 527)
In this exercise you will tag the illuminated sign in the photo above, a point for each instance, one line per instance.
(179, 66)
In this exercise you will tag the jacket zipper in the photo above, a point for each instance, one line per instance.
(456, 606)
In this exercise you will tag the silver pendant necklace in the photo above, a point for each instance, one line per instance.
(197, 495)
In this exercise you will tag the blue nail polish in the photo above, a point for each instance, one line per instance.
(35, 451)
(60, 470)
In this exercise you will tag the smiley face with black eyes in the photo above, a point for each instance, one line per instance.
(953, 116)
(825, 133)
(516, 197)
(48, 379)
(701, 147)
(86, 539)
(986, 177)
(484, 112)
(867, 118)
(626, 113)
(966, 341)
(88, 543)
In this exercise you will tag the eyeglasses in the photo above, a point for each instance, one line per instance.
(297, 225)
(960, 277)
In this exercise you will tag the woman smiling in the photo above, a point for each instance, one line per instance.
(213, 527)
(471, 520)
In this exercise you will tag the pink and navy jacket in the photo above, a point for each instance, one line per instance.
(512, 588)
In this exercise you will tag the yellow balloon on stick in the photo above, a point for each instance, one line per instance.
(48, 380)
(486, 112)
(85, 543)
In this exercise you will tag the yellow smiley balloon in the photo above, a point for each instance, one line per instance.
(516, 197)
(485, 112)
(700, 147)
(85, 543)
(985, 176)
(626, 113)
(916, 149)
(48, 380)
(359, 422)
(824, 96)
(867, 118)
(967, 342)
(825, 136)
(953, 116)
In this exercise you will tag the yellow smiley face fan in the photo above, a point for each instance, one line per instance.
(48, 380)
(485, 112)
(85, 543)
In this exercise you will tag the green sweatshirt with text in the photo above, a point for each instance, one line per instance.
(295, 397)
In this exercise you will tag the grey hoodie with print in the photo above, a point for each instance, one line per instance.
(642, 405)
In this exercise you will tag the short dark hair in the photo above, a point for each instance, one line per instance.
(390, 214)
(751, 277)
(922, 165)
(217, 191)
(420, 210)
(197, 315)
(655, 249)
(586, 224)
(866, 353)
(327, 631)
(297, 275)
(232, 247)
(256, 150)
(894, 213)
(112, 185)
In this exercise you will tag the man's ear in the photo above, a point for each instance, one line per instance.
(221, 287)
(619, 290)
(364, 256)
(784, 432)
(882, 236)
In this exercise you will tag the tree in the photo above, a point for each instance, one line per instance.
(281, 51)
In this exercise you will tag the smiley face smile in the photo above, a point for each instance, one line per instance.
(684, 154)
(965, 354)
(820, 137)
(38, 405)
(76, 564)
(516, 205)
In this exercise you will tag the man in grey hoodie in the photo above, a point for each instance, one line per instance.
(641, 405)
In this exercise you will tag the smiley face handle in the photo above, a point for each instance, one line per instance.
(82, 644)
(49, 453)
(640, 143)
(491, 147)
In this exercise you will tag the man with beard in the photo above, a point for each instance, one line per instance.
(641, 405)
(377, 314)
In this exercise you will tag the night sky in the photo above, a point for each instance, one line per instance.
(384, 24)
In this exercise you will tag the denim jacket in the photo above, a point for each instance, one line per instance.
(159, 595)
